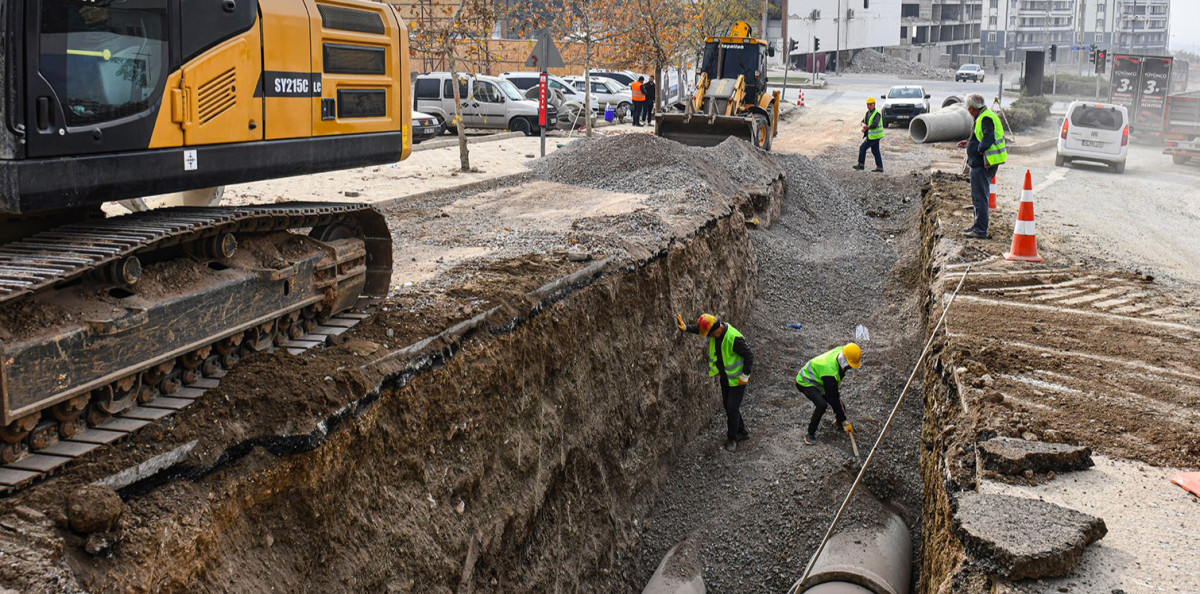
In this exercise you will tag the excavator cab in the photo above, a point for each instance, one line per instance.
(731, 97)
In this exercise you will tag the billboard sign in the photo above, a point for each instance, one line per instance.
(1126, 80)
(1155, 83)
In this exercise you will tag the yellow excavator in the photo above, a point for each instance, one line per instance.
(731, 97)
(108, 100)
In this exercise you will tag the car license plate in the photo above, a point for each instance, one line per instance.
(903, 117)
(1092, 143)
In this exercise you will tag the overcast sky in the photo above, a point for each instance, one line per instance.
(1185, 35)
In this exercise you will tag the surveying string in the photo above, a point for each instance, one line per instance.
(858, 479)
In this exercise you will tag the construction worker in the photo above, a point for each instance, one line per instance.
(986, 151)
(819, 381)
(872, 131)
(639, 99)
(730, 361)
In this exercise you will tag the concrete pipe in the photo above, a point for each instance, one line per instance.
(679, 572)
(953, 123)
(871, 560)
(953, 100)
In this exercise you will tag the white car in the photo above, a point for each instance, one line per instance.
(1096, 132)
(903, 103)
(971, 71)
(528, 80)
(607, 92)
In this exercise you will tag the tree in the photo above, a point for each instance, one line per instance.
(664, 33)
(458, 33)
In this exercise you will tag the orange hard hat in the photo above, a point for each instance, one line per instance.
(706, 323)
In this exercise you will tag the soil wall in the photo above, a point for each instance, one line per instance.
(511, 453)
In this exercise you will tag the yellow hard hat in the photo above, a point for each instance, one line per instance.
(705, 324)
(870, 99)
(853, 355)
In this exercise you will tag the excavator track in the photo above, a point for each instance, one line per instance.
(109, 325)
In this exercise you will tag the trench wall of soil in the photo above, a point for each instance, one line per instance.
(948, 451)
(520, 461)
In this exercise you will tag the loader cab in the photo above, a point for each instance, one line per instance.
(731, 57)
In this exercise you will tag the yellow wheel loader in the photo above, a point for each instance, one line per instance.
(731, 97)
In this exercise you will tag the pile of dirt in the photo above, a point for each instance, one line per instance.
(869, 61)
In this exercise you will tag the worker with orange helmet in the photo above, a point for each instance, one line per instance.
(819, 381)
(730, 361)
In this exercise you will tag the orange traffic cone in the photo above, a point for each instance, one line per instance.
(992, 194)
(1024, 245)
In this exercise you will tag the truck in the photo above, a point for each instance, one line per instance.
(1181, 127)
(1141, 84)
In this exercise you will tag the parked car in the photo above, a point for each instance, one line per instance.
(624, 77)
(528, 80)
(424, 127)
(973, 72)
(607, 92)
(487, 102)
(1094, 132)
(903, 103)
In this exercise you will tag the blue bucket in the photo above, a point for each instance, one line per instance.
(610, 114)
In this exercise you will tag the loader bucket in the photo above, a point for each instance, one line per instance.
(702, 130)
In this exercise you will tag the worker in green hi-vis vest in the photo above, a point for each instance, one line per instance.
(820, 379)
(872, 130)
(730, 361)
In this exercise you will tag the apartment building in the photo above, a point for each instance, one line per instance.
(1011, 27)
(841, 24)
(937, 32)
(1138, 27)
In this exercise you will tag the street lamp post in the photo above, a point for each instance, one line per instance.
(837, 43)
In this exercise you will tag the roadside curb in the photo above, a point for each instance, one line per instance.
(1041, 145)
(467, 187)
(437, 144)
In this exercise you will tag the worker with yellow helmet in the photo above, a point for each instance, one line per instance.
(730, 361)
(819, 381)
(872, 131)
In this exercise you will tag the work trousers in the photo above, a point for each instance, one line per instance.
(874, 146)
(981, 186)
(637, 112)
(731, 398)
(821, 402)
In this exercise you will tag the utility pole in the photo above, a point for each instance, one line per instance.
(837, 42)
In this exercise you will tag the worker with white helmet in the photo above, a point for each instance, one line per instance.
(730, 361)
(819, 381)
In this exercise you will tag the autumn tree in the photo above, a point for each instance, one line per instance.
(664, 32)
(457, 32)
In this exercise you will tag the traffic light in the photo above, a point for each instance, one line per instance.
(791, 46)
(1092, 53)
(1053, 53)
(816, 44)
(1101, 61)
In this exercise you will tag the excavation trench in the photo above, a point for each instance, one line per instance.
(517, 420)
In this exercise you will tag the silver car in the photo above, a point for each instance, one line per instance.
(487, 102)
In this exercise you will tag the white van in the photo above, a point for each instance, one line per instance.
(487, 102)
(607, 92)
(528, 80)
(1094, 132)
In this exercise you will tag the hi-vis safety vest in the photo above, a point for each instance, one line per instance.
(874, 125)
(636, 88)
(732, 360)
(825, 364)
(997, 153)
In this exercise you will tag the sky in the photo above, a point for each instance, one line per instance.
(1185, 35)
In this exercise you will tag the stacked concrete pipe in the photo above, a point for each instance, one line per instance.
(952, 123)
(870, 560)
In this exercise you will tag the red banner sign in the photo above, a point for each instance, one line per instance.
(542, 100)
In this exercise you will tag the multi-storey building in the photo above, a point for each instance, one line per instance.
(1131, 26)
(937, 32)
(841, 24)
(1012, 26)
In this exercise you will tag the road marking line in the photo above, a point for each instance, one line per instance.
(1023, 288)
(1098, 295)
(1052, 178)
(1080, 312)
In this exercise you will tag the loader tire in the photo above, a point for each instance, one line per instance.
(760, 133)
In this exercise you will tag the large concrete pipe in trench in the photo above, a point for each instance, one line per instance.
(679, 572)
(951, 123)
(868, 560)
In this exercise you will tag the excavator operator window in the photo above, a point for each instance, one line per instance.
(104, 59)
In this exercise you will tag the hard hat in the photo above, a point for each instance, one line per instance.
(853, 355)
(706, 323)
(870, 99)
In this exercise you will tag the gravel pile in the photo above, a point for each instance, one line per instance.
(832, 261)
(869, 61)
